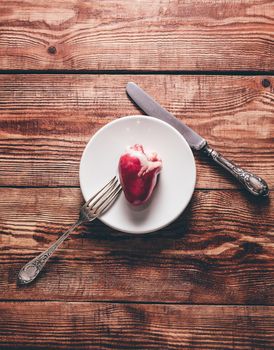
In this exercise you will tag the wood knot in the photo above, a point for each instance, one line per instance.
(248, 249)
(52, 50)
(251, 248)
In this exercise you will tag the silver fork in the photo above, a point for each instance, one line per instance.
(93, 208)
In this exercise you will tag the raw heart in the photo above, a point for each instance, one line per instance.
(138, 174)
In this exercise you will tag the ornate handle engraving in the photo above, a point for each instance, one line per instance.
(253, 183)
(32, 269)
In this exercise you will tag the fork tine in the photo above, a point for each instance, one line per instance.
(100, 191)
(108, 200)
(102, 197)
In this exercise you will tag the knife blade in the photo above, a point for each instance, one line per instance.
(152, 108)
(253, 183)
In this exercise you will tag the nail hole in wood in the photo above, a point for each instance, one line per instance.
(266, 83)
(52, 50)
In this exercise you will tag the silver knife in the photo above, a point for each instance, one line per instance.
(253, 183)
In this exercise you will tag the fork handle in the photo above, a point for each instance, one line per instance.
(31, 270)
(253, 183)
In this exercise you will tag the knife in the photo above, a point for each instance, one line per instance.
(253, 183)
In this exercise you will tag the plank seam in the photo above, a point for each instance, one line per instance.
(138, 72)
(120, 302)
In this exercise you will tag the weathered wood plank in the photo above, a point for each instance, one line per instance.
(46, 120)
(59, 325)
(220, 251)
(137, 35)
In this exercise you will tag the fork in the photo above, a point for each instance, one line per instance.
(93, 208)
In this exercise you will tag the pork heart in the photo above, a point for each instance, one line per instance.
(138, 174)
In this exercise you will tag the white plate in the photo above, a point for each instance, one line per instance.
(175, 184)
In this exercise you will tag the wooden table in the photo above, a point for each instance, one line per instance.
(205, 281)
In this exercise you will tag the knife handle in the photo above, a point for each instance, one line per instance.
(253, 183)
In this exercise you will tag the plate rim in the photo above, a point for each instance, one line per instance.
(146, 117)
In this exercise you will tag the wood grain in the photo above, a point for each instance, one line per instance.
(221, 251)
(137, 35)
(46, 120)
(104, 289)
(85, 325)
